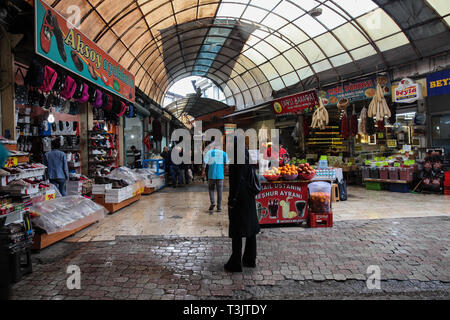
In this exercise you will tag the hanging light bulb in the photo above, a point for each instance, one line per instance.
(51, 118)
(106, 127)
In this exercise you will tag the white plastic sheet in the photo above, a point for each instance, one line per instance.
(66, 213)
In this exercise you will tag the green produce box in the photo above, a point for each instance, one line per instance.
(373, 186)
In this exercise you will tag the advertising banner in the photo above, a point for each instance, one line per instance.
(361, 89)
(58, 40)
(300, 102)
(282, 202)
(407, 91)
(438, 83)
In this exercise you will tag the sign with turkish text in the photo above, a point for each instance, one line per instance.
(423, 85)
(300, 102)
(61, 42)
(438, 83)
(362, 89)
(285, 202)
(407, 91)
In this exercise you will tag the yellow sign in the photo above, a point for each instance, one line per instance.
(277, 107)
(49, 196)
(422, 82)
(11, 162)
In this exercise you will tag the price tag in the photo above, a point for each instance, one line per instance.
(396, 164)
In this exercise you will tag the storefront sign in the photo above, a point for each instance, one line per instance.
(229, 128)
(282, 202)
(438, 83)
(362, 89)
(301, 102)
(65, 45)
(423, 85)
(407, 91)
(11, 162)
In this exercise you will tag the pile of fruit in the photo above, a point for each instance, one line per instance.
(289, 170)
(306, 169)
(272, 174)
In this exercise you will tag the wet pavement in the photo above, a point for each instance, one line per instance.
(412, 254)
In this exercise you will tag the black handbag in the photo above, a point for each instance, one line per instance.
(21, 91)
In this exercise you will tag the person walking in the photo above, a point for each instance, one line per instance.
(175, 169)
(215, 159)
(242, 215)
(57, 168)
(166, 156)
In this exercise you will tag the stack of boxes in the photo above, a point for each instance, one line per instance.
(119, 195)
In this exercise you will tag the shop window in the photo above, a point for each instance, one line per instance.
(440, 131)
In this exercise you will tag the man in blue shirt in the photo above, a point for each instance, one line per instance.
(215, 159)
(57, 168)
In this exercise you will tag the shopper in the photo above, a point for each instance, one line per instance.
(242, 215)
(215, 159)
(166, 156)
(57, 168)
(175, 169)
(137, 157)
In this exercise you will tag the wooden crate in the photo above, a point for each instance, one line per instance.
(113, 207)
(41, 241)
(148, 190)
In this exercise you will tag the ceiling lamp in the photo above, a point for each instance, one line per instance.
(315, 12)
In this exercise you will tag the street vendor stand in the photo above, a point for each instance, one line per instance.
(282, 202)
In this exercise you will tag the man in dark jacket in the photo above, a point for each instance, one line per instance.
(242, 215)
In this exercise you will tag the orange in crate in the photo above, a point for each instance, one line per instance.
(320, 220)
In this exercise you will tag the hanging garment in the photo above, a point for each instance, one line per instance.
(157, 134)
(147, 142)
(354, 124)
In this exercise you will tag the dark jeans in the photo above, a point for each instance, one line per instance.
(249, 252)
(176, 175)
(60, 184)
(218, 184)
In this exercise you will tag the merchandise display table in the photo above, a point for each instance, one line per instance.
(113, 207)
(282, 202)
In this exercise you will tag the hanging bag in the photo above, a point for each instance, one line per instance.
(20, 91)
(50, 76)
(69, 88)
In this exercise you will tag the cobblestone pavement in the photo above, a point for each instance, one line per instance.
(412, 253)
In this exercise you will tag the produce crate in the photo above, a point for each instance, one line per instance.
(447, 191)
(399, 187)
(406, 174)
(384, 173)
(320, 220)
(393, 173)
(365, 172)
(373, 186)
(374, 173)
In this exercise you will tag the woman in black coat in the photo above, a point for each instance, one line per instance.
(242, 215)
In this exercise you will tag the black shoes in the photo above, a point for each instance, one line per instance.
(230, 267)
(211, 207)
(249, 264)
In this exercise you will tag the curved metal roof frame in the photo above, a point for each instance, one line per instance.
(284, 45)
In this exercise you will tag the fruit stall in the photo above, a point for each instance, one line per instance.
(286, 197)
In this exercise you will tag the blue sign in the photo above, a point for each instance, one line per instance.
(438, 83)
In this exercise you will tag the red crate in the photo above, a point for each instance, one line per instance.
(447, 178)
(447, 191)
(384, 173)
(320, 220)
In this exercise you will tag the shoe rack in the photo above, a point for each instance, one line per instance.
(100, 152)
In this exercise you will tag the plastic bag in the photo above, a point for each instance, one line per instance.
(124, 173)
(66, 213)
(320, 194)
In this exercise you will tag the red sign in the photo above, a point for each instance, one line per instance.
(282, 202)
(296, 103)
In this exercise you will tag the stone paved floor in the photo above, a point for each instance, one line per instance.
(412, 253)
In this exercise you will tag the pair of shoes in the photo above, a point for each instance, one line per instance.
(211, 207)
(229, 267)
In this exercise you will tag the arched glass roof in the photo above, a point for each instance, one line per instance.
(251, 48)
